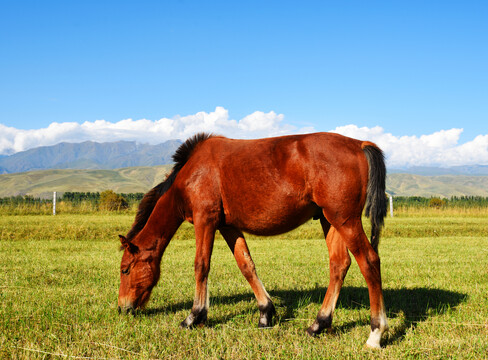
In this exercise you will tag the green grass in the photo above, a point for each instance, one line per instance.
(59, 284)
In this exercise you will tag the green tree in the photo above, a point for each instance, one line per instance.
(109, 200)
(437, 203)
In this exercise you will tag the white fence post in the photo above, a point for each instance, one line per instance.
(391, 205)
(54, 203)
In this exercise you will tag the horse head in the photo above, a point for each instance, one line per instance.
(139, 273)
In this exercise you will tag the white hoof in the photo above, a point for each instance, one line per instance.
(374, 339)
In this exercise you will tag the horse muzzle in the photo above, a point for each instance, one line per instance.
(126, 310)
(126, 307)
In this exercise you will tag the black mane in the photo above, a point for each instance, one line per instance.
(180, 158)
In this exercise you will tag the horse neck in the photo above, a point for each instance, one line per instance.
(163, 223)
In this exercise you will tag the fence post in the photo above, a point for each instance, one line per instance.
(54, 203)
(391, 205)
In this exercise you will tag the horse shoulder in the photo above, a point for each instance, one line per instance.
(198, 185)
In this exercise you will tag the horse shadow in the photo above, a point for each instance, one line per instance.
(410, 306)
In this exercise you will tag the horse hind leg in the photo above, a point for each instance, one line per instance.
(339, 262)
(369, 263)
(238, 246)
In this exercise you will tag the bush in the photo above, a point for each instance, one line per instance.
(437, 203)
(109, 200)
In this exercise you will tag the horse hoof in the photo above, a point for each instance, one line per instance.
(194, 320)
(266, 315)
(374, 339)
(372, 346)
(315, 329)
(311, 332)
(188, 322)
(184, 325)
(264, 326)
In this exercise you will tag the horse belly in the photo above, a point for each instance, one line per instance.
(272, 218)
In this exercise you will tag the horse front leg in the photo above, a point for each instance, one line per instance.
(205, 235)
(238, 246)
(339, 262)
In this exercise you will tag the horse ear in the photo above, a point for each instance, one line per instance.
(126, 244)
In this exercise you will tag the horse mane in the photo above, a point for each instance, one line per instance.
(148, 202)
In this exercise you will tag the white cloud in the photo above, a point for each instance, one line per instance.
(255, 125)
(440, 148)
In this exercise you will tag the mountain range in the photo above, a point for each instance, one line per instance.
(127, 166)
(115, 155)
(475, 170)
(89, 155)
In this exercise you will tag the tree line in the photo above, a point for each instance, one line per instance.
(438, 202)
(109, 200)
(105, 200)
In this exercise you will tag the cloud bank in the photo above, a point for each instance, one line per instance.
(255, 125)
(441, 148)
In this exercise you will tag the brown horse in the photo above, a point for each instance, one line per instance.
(264, 187)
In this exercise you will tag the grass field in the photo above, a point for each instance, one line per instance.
(59, 278)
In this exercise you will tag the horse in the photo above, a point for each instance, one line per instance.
(265, 187)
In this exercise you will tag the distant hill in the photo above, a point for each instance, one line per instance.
(42, 183)
(89, 155)
(435, 171)
(442, 185)
(141, 179)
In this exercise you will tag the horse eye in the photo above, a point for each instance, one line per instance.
(125, 271)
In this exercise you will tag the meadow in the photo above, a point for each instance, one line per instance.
(59, 278)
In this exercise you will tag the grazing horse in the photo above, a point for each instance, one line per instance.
(263, 187)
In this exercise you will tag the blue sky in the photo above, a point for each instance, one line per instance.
(413, 69)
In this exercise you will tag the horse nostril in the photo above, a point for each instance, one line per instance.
(126, 310)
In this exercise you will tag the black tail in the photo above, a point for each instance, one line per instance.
(376, 201)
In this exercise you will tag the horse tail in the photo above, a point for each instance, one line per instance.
(148, 202)
(376, 201)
